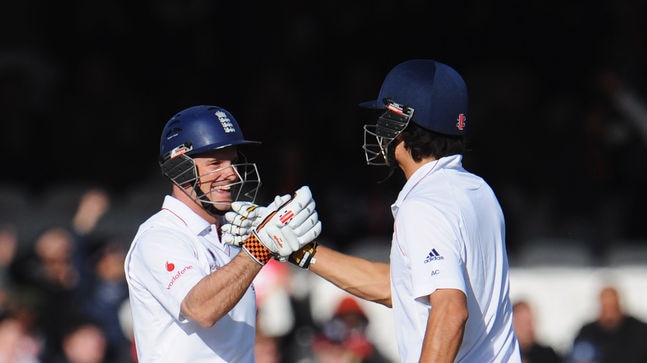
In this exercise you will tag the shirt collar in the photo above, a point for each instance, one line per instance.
(447, 162)
(193, 221)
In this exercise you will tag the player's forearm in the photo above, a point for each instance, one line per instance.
(216, 294)
(366, 279)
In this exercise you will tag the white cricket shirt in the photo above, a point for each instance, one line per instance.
(173, 250)
(449, 232)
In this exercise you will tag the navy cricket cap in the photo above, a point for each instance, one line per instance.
(435, 91)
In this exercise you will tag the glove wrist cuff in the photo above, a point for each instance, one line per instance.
(256, 249)
(304, 256)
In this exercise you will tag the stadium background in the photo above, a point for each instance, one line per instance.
(85, 88)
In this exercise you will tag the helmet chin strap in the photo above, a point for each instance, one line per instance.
(207, 206)
(390, 161)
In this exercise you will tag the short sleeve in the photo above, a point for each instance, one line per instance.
(433, 245)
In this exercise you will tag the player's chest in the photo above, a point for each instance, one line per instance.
(213, 255)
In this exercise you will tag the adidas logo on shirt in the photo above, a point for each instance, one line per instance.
(433, 256)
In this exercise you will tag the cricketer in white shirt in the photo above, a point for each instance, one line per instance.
(449, 232)
(171, 252)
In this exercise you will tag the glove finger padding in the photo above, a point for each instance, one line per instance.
(241, 219)
(234, 235)
(238, 219)
(304, 220)
(244, 213)
(302, 202)
(232, 239)
(279, 200)
(244, 216)
(306, 234)
(308, 230)
(307, 227)
(303, 215)
(306, 224)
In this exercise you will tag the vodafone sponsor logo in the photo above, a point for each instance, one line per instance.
(178, 275)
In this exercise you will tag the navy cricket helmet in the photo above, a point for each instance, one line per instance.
(201, 128)
(433, 91)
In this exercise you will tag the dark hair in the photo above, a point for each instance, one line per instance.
(424, 143)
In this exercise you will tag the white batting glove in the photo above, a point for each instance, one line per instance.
(285, 230)
(244, 216)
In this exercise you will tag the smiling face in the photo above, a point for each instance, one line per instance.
(217, 172)
(210, 181)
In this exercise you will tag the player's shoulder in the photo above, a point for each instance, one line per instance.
(159, 229)
(425, 206)
(435, 195)
(439, 205)
(164, 220)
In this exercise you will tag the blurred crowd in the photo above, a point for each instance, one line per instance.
(614, 335)
(62, 295)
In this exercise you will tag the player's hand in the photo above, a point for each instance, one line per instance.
(244, 216)
(285, 230)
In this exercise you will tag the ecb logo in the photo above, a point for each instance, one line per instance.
(226, 123)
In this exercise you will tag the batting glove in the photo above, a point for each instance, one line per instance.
(285, 230)
(244, 217)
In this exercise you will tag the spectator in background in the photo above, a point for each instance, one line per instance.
(267, 348)
(107, 291)
(20, 337)
(613, 337)
(8, 251)
(18, 344)
(103, 286)
(93, 205)
(84, 342)
(56, 272)
(48, 273)
(532, 351)
(343, 338)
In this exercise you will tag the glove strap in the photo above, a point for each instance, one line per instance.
(256, 249)
(304, 256)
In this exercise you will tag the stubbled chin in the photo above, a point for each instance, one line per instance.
(221, 199)
(222, 206)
